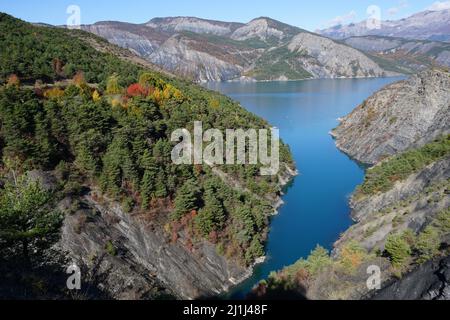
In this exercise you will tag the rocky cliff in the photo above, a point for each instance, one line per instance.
(403, 55)
(263, 49)
(403, 115)
(430, 281)
(411, 204)
(136, 253)
(426, 25)
(324, 58)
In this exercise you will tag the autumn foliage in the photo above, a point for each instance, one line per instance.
(136, 90)
(79, 80)
(54, 93)
(13, 81)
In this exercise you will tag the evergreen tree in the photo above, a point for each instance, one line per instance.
(28, 224)
(212, 216)
(398, 249)
(427, 244)
(187, 199)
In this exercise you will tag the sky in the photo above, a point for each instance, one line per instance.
(307, 14)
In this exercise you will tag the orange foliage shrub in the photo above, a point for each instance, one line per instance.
(13, 81)
(78, 79)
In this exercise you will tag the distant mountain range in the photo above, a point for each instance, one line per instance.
(402, 55)
(266, 49)
(263, 49)
(426, 25)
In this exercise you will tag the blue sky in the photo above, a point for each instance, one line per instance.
(309, 15)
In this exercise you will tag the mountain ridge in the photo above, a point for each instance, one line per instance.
(425, 25)
(210, 50)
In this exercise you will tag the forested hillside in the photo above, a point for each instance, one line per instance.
(101, 123)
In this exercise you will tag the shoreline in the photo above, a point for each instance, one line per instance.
(293, 80)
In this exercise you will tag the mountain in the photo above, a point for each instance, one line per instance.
(263, 49)
(192, 24)
(401, 116)
(87, 177)
(402, 55)
(426, 25)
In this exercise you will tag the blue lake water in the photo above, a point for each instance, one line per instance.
(316, 207)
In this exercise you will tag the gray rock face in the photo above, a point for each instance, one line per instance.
(192, 24)
(406, 206)
(403, 115)
(325, 58)
(143, 255)
(177, 56)
(409, 55)
(430, 281)
(426, 25)
(205, 50)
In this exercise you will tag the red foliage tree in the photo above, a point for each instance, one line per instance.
(136, 90)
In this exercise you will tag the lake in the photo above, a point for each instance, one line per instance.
(316, 207)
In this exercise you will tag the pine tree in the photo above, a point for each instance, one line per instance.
(28, 225)
(186, 200)
(398, 249)
(427, 244)
(160, 185)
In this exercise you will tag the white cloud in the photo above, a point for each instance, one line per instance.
(439, 5)
(401, 5)
(344, 19)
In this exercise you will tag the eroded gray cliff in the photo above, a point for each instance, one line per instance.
(401, 116)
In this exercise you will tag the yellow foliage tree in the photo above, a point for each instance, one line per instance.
(167, 92)
(96, 96)
(352, 256)
(157, 95)
(112, 85)
(54, 93)
(146, 79)
(115, 102)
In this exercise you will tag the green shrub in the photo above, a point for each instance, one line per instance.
(427, 244)
(381, 178)
(397, 249)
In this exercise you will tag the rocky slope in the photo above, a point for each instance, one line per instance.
(408, 197)
(192, 24)
(263, 49)
(402, 55)
(413, 203)
(427, 25)
(403, 115)
(137, 257)
(141, 253)
(410, 204)
(430, 281)
(323, 58)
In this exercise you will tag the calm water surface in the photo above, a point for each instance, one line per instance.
(316, 205)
